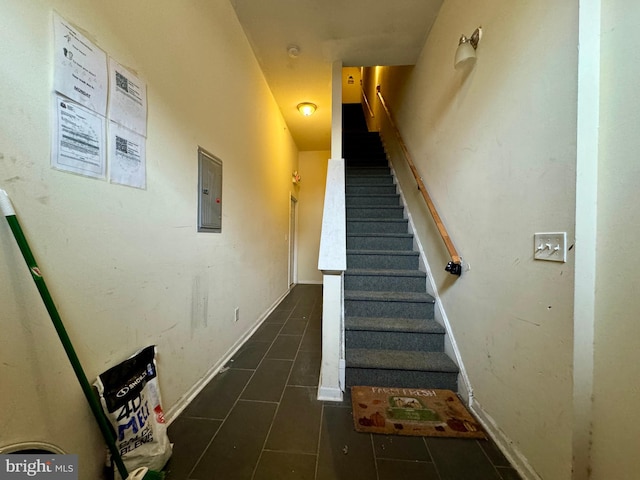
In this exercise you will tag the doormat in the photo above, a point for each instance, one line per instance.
(411, 411)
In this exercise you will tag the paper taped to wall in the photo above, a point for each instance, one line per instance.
(80, 67)
(78, 139)
(127, 98)
(127, 157)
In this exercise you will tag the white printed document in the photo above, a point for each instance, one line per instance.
(80, 67)
(78, 139)
(127, 98)
(127, 157)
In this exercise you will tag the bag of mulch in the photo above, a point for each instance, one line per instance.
(130, 398)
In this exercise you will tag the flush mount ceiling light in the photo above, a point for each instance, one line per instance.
(466, 52)
(307, 108)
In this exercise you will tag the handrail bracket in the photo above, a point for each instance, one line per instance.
(454, 268)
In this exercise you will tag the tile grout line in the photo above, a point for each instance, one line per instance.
(375, 457)
(286, 451)
(313, 309)
(195, 465)
(275, 414)
(495, 467)
(433, 460)
(315, 474)
(238, 398)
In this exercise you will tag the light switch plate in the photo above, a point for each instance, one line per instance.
(550, 246)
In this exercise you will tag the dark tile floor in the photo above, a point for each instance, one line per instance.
(260, 420)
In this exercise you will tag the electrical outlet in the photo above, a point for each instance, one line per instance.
(550, 246)
(236, 314)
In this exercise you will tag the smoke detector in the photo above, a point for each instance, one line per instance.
(293, 51)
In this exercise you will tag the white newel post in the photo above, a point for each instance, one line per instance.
(333, 263)
(333, 256)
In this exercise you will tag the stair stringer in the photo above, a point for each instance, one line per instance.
(465, 390)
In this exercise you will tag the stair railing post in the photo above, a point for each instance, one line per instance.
(333, 262)
(332, 258)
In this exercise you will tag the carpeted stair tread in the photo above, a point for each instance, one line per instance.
(378, 259)
(370, 180)
(400, 360)
(385, 272)
(372, 195)
(369, 176)
(377, 225)
(375, 211)
(384, 278)
(378, 220)
(391, 336)
(365, 170)
(408, 325)
(409, 253)
(376, 235)
(376, 207)
(414, 297)
(364, 189)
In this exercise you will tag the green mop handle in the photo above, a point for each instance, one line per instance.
(7, 209)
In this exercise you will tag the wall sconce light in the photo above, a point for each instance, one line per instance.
(307, 108)
(466, 52)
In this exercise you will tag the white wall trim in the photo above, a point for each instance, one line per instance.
(292, 272)
(336, 109)
(184, 401)
(504, 443)
(332, 336)
(329, 394)
(587, 157)
(332, 255)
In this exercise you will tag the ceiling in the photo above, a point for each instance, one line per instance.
(358, 32)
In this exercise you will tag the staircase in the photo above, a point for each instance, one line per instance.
(391, 337)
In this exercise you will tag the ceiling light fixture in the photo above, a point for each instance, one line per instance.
(466, 52)
(307, 108)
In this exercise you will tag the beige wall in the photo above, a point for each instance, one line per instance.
(616, 422)
(351, 93)
(313, 169)
(497, 148)
(125, 266)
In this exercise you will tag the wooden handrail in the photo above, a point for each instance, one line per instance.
(366, 102)
(455, 265)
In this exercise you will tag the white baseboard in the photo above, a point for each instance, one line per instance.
(506, 446)
(329, 394)
(184, 401)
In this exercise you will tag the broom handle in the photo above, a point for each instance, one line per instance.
(7, 209)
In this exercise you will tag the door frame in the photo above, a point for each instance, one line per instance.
(293, 241)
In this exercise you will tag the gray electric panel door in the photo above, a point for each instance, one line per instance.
(209, 192)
